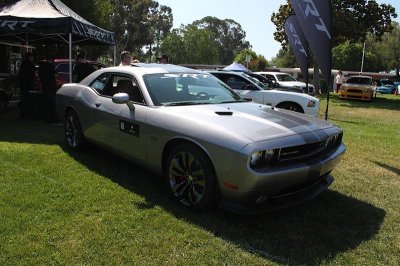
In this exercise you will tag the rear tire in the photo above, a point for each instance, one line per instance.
(190, 177)
(73, 131)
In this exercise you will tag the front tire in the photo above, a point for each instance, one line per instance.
(73, 131)
(191, 177)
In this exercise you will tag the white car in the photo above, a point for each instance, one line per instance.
(284, 80)
(250, 88)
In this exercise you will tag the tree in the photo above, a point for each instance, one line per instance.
(352, 20)
(348, 56)
(387, 50)
(161, 20)
(257, 62)
(284, 58)
(191, 45)
(230, 37)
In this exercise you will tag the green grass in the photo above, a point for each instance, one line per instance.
(61, 207)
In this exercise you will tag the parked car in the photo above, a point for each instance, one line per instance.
(9, 91)
(287, 82)
(272, 84)
(249, 88)
(211, 145)
(62, 68)
(386, 86)
(358, 88)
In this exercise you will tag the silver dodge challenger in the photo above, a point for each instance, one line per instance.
(212, 146)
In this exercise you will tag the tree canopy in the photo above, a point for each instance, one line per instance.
(352, 20)
(230, 37)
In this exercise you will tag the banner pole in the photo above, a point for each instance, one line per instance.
(70, 57)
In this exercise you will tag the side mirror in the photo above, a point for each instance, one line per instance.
(123, 98)
(120, 98)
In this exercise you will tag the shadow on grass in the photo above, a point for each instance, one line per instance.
(388, 167)
(380, 102)
(306, 234)
(310, 233)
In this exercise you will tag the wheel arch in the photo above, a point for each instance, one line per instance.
(279, 105)
(183, 141)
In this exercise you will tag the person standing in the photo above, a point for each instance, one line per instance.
(163, 59)
(26, 79)
(126, 58)
(339, 79)
(47, 75)
(82, 68)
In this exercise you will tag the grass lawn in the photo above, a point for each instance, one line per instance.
(61, 207)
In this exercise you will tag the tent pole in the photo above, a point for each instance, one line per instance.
(70, 57)
(115, 55)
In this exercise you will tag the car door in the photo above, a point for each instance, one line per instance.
(245, 88)
(117, 126)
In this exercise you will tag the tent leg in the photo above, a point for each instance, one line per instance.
(115, 55)
(70, 57)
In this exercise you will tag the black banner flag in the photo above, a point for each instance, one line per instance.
(298, 43)
(314, 17)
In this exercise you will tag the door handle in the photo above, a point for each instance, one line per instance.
(97, 104)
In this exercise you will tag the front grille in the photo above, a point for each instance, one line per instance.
(354, 91)
(308, 151)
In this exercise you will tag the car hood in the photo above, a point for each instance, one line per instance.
(294, 84)
(250, 120)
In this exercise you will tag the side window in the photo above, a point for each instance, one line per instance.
(123, 84)
(101, 83)
(63, 68)
(237, 83)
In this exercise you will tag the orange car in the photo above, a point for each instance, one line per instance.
(358, 88)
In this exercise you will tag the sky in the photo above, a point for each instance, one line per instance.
(253, 15)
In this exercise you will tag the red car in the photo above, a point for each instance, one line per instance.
(62, 67)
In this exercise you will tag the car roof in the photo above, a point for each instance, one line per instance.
(152, 68)
(271, 73)
(357, 76)
(227, 72)
(165, 68)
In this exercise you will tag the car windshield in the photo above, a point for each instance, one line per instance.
(285, 77)
(359, 80)
(188, 89)
(386, 82)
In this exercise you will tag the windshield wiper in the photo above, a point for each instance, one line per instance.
(184, 103)
(237, 101)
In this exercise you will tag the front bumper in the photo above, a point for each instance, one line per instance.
(356, 95)
(281, 187)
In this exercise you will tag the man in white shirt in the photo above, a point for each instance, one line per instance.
(125, 59)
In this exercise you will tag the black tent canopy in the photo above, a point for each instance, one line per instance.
(49, 21)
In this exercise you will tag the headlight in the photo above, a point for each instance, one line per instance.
(311, 103)
(367, 90)
(262, 158)
(255, 158)
(333, 141)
